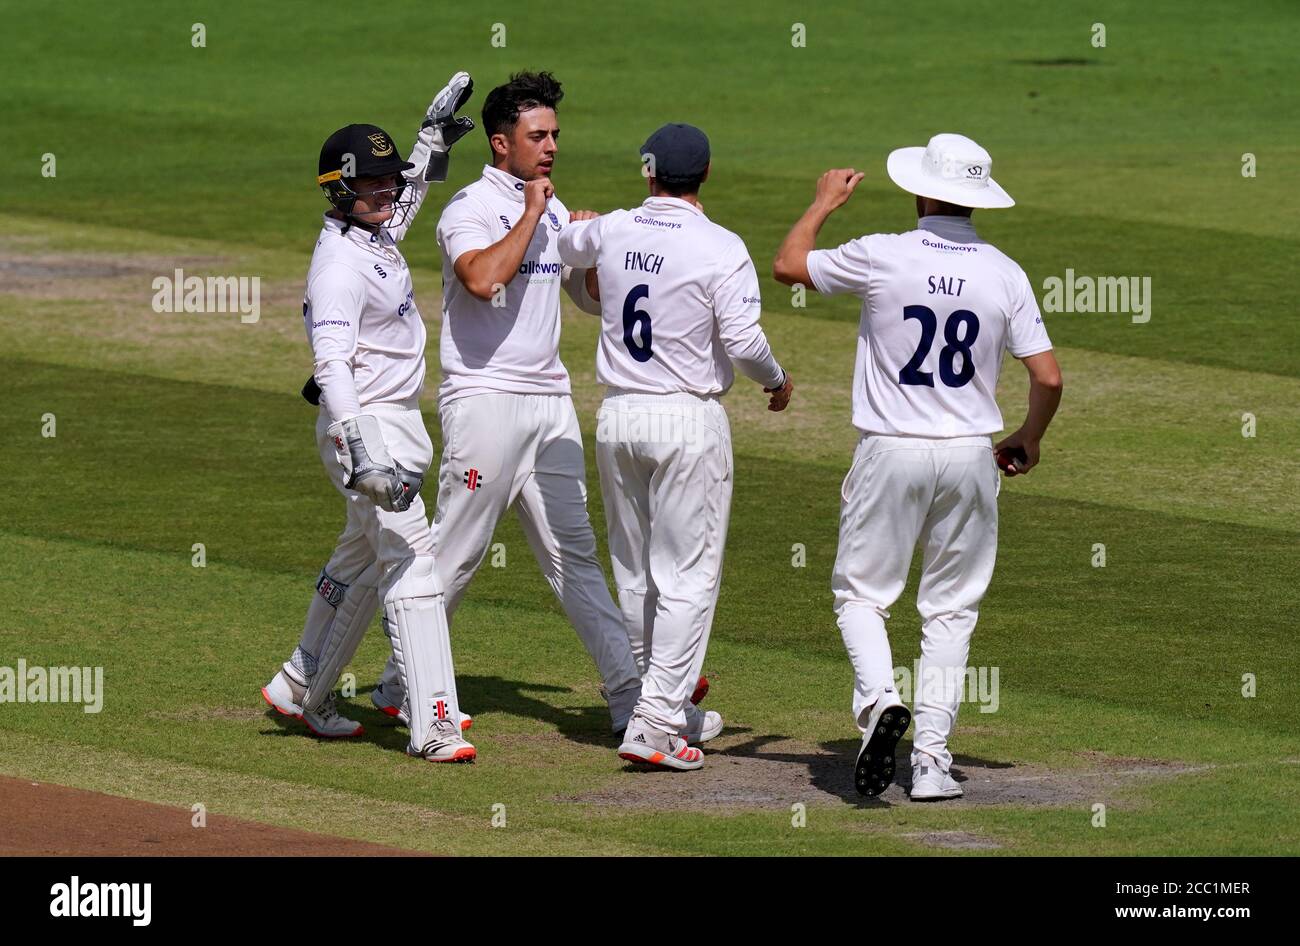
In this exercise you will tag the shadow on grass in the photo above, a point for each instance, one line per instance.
(479, 695)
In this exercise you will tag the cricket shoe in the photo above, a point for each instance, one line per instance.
(888, 721)
(386, 705)
(701, 725)
(445, 744)
(285, 697)
(931, 783)
(643, 743)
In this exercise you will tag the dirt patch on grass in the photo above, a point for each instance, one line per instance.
(953, 840)
(49, 275)
(743, 772)
(39, 819)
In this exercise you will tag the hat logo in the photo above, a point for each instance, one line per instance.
(382, 147)
(975, 171)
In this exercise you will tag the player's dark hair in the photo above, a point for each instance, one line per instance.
(678, 187)
(524, 91)
(943, 208)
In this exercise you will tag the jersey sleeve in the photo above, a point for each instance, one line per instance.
(580, 243)
(415, 181)
(336, 298)
(841, 270)
(462, 227)
(1026, 333)
(737, 306)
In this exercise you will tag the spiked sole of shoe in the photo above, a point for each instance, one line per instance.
(875, 769)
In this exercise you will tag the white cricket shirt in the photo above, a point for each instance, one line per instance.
(679, 300)
(940, 307)
(515, 347)
(365, 331)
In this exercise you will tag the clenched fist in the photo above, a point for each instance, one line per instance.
(836, 186)
(536, 194)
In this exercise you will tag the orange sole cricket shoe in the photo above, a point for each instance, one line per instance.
(648, 746)
(326, 722)
(463, 752)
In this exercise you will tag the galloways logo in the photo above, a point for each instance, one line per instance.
(78, 899)
(24, 684)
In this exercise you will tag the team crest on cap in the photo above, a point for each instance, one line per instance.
(381, 146)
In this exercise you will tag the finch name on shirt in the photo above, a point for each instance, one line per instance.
(643, 262)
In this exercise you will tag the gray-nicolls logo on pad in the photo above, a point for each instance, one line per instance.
(89, 899)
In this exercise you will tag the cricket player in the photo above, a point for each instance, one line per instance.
(940, 307)
(367, 339)
(680, 304)
(510, 432)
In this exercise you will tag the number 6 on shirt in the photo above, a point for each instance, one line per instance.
(632, 316)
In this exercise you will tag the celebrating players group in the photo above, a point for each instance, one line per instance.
(677, 296)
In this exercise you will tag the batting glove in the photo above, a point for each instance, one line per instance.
(442, 129)
(360, 449)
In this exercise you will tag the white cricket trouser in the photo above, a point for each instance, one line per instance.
(902, 491)
(402, 550)
(666, 475)
(525, 450)
(371, 533)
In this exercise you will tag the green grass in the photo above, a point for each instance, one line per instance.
(174, 430)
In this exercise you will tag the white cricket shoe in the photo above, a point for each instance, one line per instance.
(285, 696)
(643, 743)
(931, 783)
(397, 709)
(701, 725)
(445, 745)
(886, 724)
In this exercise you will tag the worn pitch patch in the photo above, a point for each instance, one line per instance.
(953, 840)
(770, 773)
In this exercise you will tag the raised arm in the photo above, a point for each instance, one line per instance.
(833, 189)
(441, 129)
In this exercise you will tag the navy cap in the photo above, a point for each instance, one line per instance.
(680, 153)
(372, 151)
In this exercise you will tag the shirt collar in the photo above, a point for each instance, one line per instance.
(504, 182)
(664, 202)
(359, 234)
(957, 229)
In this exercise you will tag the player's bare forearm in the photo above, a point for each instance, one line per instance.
(1045, 387)
(1044, 394)
(833, 189)
(481, 271)
(791, 263)
(593, 284)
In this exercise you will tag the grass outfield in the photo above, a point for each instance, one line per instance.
(1119, 685)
